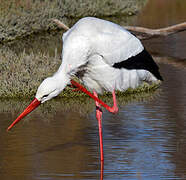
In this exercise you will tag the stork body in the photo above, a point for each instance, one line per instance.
(105, 57)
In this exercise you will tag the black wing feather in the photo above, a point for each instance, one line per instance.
(143, 61)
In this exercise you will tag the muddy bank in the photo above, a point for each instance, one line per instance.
(19, 18)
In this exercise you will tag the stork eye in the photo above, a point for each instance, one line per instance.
(45, 95)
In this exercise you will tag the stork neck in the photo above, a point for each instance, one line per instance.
(62, 78)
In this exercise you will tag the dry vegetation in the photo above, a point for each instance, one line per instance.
(20, 75)
(20, 18)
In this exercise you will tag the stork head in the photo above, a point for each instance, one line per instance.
(48, 89)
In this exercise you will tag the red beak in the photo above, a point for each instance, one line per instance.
(35, 103)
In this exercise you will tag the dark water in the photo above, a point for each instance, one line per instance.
(145, 140)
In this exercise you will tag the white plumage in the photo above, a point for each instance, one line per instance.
(90, 49)
(104, 38)
(100, 44)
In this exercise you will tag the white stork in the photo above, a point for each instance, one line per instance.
(105, 57)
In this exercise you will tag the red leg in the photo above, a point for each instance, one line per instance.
(101, 170)
(99, 118)
(113, 109)
(74, 88)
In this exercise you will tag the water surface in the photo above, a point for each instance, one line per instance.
(145, 140)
